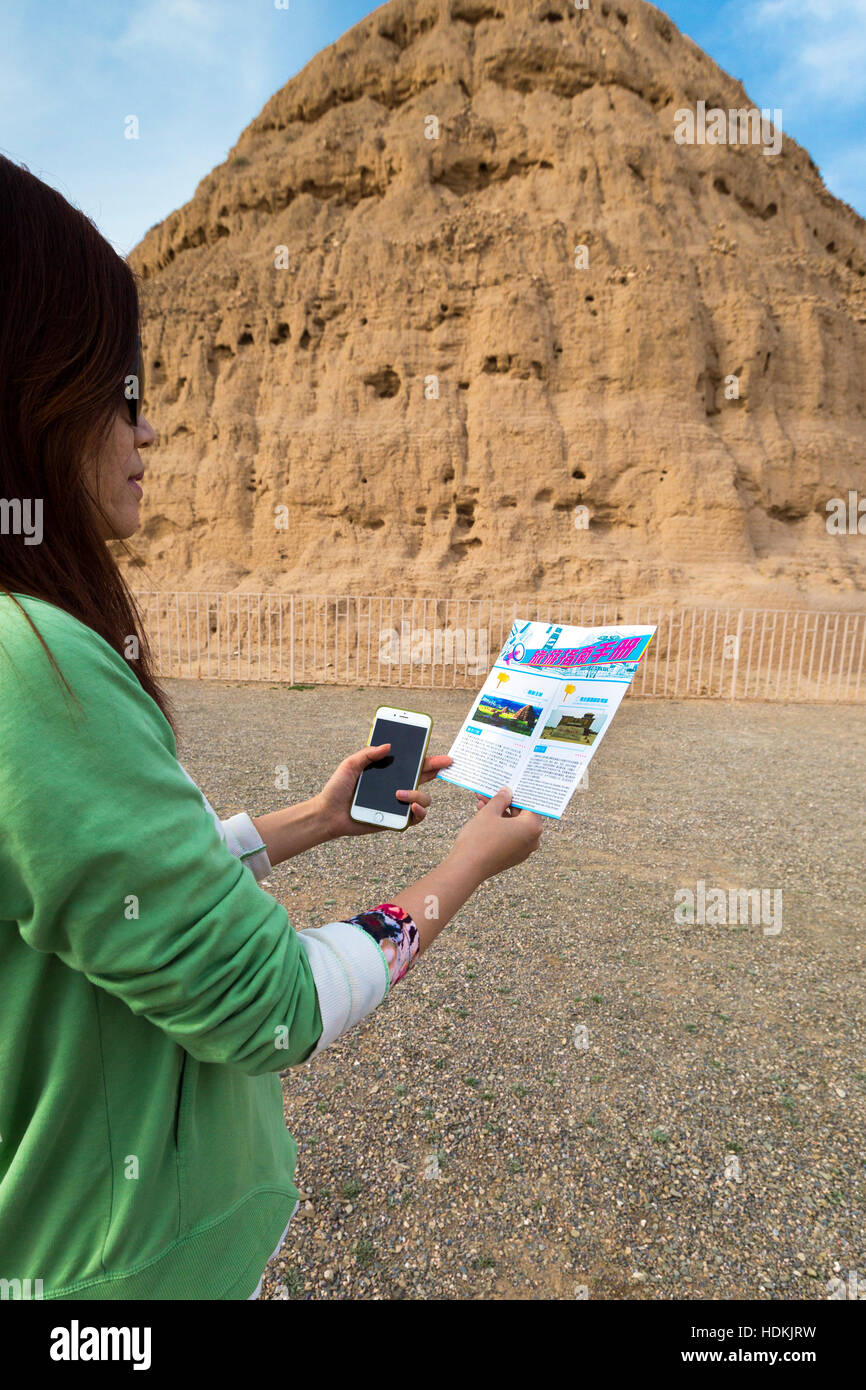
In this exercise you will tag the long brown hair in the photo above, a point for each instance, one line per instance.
(69, 322)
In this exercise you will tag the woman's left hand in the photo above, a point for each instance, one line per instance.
(336, 797)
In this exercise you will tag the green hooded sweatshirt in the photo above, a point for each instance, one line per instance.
(150, 993)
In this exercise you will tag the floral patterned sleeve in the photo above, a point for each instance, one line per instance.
(396, 933)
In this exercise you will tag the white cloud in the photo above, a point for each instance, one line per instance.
(820, 46)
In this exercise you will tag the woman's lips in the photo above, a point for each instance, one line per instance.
(133, 483)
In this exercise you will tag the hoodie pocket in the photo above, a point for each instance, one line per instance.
(231, 1140)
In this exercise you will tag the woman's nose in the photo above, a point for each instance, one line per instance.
(144, 433)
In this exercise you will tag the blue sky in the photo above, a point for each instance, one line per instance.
(195, 72)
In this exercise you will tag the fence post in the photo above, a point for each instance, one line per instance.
(737, 655)
(292, 641)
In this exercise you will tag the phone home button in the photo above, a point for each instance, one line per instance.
(379, 817)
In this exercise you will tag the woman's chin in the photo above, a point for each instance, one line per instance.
(125, 522)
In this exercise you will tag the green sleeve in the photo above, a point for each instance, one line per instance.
(110, 860)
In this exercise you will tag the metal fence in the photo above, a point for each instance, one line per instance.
(704, 653)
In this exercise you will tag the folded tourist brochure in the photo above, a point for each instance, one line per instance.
(543, 710)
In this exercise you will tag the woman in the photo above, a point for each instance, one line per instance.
(150, 991)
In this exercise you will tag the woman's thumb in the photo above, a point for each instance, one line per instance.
(500, 802)
(374, 750)
(365, 756)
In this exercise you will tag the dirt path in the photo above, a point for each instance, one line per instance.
(573, 1091)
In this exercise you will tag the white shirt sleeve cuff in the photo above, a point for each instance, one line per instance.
(351, 976)
(246, 844)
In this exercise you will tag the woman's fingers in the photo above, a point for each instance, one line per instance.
(422, 798)
(437, 763)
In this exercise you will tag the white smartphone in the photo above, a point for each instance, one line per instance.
(408, 733)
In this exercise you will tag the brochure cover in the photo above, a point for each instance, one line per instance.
(543, 710)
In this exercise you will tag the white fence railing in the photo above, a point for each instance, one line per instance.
(709, 653)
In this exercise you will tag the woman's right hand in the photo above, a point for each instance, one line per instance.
(497, 837)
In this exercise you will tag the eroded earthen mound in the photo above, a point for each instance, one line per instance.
(425, 383)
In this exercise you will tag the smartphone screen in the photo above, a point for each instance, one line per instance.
(398, 769)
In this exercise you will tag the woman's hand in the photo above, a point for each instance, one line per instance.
(498, 836)
(335, 798)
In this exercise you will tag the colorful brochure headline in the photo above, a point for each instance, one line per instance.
(604, 649)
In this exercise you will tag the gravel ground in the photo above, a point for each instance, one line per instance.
(463, 1141)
